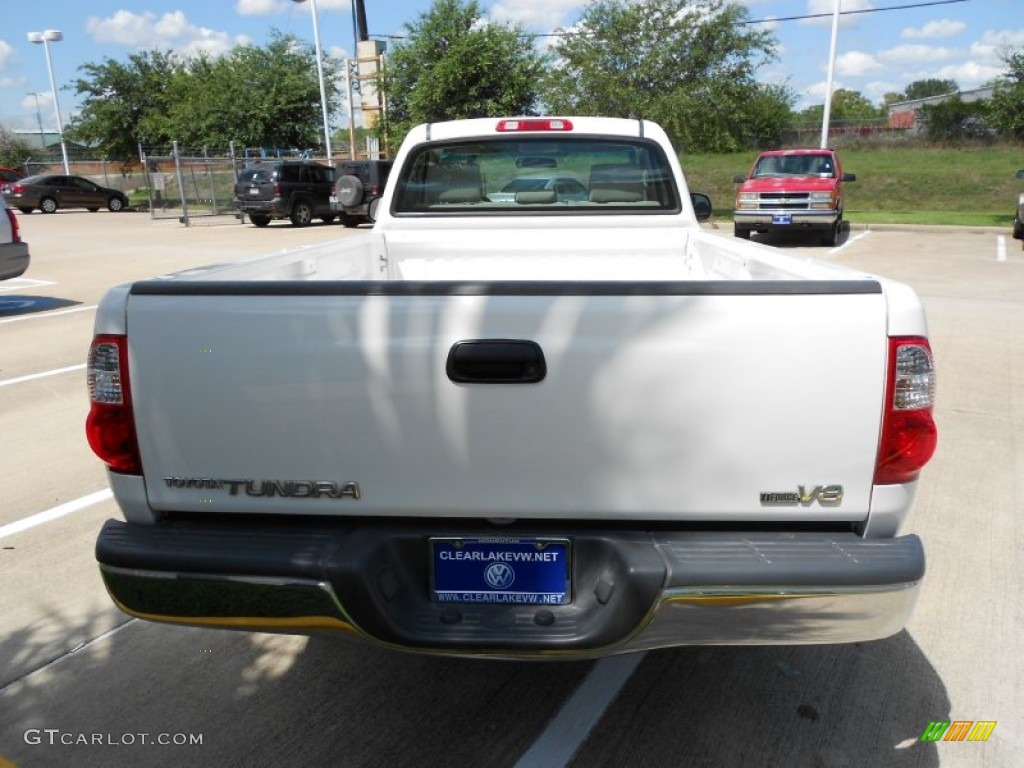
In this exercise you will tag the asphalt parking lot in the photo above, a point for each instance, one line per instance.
(82, 684)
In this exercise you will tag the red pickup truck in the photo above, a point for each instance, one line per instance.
(792, 189)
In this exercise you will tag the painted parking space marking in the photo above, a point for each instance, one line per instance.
(570, 728)
(55, 513)
(42, 315)
(41, 375)
(23, 283)
(1001, 248)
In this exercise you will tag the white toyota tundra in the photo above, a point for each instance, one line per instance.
(536, 412)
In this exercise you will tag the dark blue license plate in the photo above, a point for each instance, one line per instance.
(500, 570)
(782, 218)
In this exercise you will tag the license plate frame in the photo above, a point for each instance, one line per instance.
(521, 570)
(782, 218)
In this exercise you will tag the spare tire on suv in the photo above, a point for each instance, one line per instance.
(359, 183)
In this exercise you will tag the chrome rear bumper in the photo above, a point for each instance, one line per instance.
(633, 590)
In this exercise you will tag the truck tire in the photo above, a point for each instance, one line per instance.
(349, 190)
(302, 213)
(259, 220)
(830, 235)
(349, 221)
(741, 232)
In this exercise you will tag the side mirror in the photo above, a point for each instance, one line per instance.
(371, 209)
(701, 205)
(739, 178)
(849, 177)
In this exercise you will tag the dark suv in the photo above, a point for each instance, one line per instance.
(294, 189)
(359, 183)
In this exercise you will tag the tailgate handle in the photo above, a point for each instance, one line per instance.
(496, 361)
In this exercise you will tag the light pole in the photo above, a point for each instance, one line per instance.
(39, 119)
(826, 116)
(47, 37)
(320, 76)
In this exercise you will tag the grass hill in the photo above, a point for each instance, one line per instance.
(969, 186)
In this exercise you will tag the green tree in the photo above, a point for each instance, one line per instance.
(1005, 111)
(254, 96)
(922, 89)
(13, 150)
(686, 64)
(953, 120)
(853, 105)
(122, 101)
(454, 64)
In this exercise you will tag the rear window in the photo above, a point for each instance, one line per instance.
(537, 175)
(255, 175)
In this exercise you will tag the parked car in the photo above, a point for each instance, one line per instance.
(8, 175)
(563, 188)
(298, 190)
(14, 256)
(359, 183)
(48, 192)
(1018, 219)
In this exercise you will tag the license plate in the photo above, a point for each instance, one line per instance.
(528, 571)
(782, 218)
(254, 190)
(333, 199)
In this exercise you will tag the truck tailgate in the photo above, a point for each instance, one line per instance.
(744, 400)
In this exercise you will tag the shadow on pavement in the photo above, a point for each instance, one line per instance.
(278, 700)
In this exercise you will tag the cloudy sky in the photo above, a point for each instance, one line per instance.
(879, 50)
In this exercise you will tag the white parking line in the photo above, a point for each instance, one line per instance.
(568, 730)
(850, 241)
(21, 283)
(47, 314)
(43, 375)
(1000, 247)
(54, 513)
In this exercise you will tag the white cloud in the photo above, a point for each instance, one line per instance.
(273, 7)
(857, 64)
(28, 103)
(917, 54)
(874, 91)
(815, 93)
(7, 54)
(543, 15)
(827, 7)
(941, 28)
(171, 30)
(258, 7)
(968, 75)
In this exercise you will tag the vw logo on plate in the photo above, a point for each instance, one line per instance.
(499, 575)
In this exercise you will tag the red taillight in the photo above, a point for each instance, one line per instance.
(15, 232)
(534, 124)
(110, 427)
(374, 191)
(909, 436)
(18, 189)
(278, 192)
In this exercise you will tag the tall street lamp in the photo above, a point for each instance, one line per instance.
(320, 76)
(47, 37)
(39, 119)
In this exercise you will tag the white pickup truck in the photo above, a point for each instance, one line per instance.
(515, 419)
